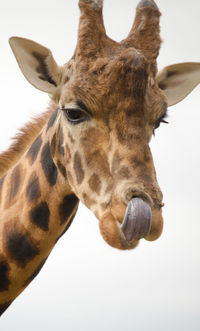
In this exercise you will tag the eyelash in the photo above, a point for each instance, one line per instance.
(162, 119)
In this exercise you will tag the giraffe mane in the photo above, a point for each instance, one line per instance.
(24, 137)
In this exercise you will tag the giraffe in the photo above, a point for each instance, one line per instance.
(91, 145)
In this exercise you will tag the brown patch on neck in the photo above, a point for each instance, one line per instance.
(95, 183)
(22, 140)
(18, 243)
(78, 168)
(15, 182)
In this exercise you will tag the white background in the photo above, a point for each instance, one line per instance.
(85, 284)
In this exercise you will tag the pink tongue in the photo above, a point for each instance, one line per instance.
(137, 220)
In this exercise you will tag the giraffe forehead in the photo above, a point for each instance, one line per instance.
(115, 74)
(130, 64)
(108, 59)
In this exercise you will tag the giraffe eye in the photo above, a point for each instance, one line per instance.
(162, 119)
(75, 115)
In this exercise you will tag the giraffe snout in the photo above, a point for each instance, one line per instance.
(131, 216)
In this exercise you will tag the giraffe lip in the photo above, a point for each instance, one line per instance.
(137, 220)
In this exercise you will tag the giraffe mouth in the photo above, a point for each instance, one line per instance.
(140, 221)
(137, 220)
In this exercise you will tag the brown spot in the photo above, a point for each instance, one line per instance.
(52, 120)
(95, 183)
(33, 188)
(4, 272)
(78, 168)
(136, 162)
(19, 245)
(34, 149)
(98, 161)
(15, 181)
(66, 208)
(48, 165)
(124, 172)
(53, 145)
(39, 216)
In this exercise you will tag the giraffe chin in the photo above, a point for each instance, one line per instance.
(139, 222)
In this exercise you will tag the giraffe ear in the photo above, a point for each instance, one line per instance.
(178, 80)
(36, 63)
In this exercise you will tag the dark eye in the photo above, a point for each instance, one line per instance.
(162, 119)
(75, 115)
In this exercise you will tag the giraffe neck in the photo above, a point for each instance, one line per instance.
(37, 206)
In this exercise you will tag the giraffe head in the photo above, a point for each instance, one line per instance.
(110, 99)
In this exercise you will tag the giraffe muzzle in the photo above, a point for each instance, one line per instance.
(137, 220)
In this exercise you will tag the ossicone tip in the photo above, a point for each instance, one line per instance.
(95, 4)
(147, 3)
